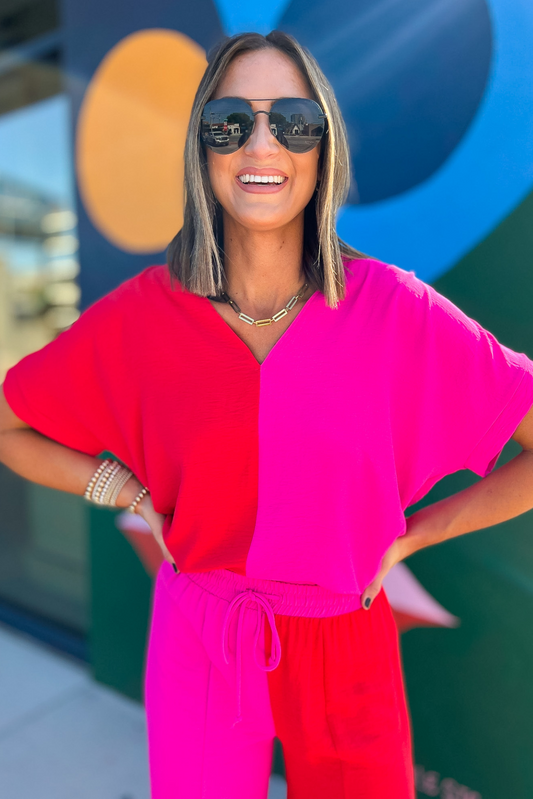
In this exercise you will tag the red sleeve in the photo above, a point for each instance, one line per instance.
(78, 390)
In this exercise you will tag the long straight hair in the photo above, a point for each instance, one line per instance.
(196, 254)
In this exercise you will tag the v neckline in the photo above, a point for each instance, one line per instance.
(241, 341)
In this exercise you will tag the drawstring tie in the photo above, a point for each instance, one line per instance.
(239, 603)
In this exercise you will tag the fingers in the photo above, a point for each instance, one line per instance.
(155, 521)
(370, 593)
(167, 556)
(157, 532)
(391, 557)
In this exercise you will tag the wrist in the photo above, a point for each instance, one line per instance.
(144, 506)
(129, 492)
(419, 534)
(409, 543)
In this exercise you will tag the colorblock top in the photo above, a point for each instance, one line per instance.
(299, 469)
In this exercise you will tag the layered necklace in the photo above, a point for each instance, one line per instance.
(224, 297)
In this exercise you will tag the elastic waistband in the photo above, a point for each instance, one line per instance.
(286, 599)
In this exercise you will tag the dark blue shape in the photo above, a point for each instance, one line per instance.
(409, 76)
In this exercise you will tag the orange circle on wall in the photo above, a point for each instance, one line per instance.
(131, 135)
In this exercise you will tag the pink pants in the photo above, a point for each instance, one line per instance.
(234, 661)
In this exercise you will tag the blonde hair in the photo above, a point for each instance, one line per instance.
(195, 255)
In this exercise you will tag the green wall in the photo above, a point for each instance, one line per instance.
(120, 606)
(471, 688)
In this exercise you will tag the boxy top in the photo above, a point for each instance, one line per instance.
(298, 469)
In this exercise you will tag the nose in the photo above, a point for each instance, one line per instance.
(262, 143)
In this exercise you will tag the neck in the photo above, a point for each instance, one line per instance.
(263, 268)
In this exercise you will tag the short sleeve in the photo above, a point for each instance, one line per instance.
(75, 390)
(460, 391)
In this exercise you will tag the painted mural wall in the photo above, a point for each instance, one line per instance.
(438, 101)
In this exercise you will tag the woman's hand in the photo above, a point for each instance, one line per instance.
(146, 511)
(400, 548)
(155, 521)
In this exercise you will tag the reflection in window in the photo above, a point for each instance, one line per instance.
(38, 242)
(42, 532)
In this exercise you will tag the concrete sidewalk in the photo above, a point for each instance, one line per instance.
(63, 736)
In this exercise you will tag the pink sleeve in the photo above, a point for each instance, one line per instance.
(75, 390)
(463, 392)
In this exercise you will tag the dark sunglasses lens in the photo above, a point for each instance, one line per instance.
(297, 123)
(226, 124)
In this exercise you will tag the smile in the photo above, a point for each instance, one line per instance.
(262, 178)
(255, 181)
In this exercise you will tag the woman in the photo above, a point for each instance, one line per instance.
(280, 400)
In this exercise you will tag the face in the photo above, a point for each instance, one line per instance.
(265, 73)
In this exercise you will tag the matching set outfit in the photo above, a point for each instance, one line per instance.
(283, 484)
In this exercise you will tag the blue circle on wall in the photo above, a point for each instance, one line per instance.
(409, 77)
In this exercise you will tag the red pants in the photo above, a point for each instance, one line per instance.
(234, 661)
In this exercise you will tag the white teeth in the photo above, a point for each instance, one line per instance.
(262, 178)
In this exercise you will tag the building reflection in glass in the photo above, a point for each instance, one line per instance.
(43, 569)
(38, 242)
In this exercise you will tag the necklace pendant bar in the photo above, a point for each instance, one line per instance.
(264, 322)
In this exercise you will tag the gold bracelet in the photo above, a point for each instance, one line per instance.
(107, 482)
(119, 485)
(97, 488)
(92, 482)
(137, 499)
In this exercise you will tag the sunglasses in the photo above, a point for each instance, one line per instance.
(296, 122)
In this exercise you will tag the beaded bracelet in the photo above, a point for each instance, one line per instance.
(120, 483)
(137, 499)
(107, 482)
(112, 473)
(92, 482)
(98, 487)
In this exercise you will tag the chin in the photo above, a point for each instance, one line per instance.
(263, 221)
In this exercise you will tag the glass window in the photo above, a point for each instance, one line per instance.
(42, 532)
(23, 20)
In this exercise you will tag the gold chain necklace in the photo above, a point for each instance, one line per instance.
(224, 297)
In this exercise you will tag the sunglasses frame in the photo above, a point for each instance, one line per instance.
(274, 100)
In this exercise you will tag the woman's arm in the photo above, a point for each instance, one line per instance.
(505, 493)
(44, 461)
